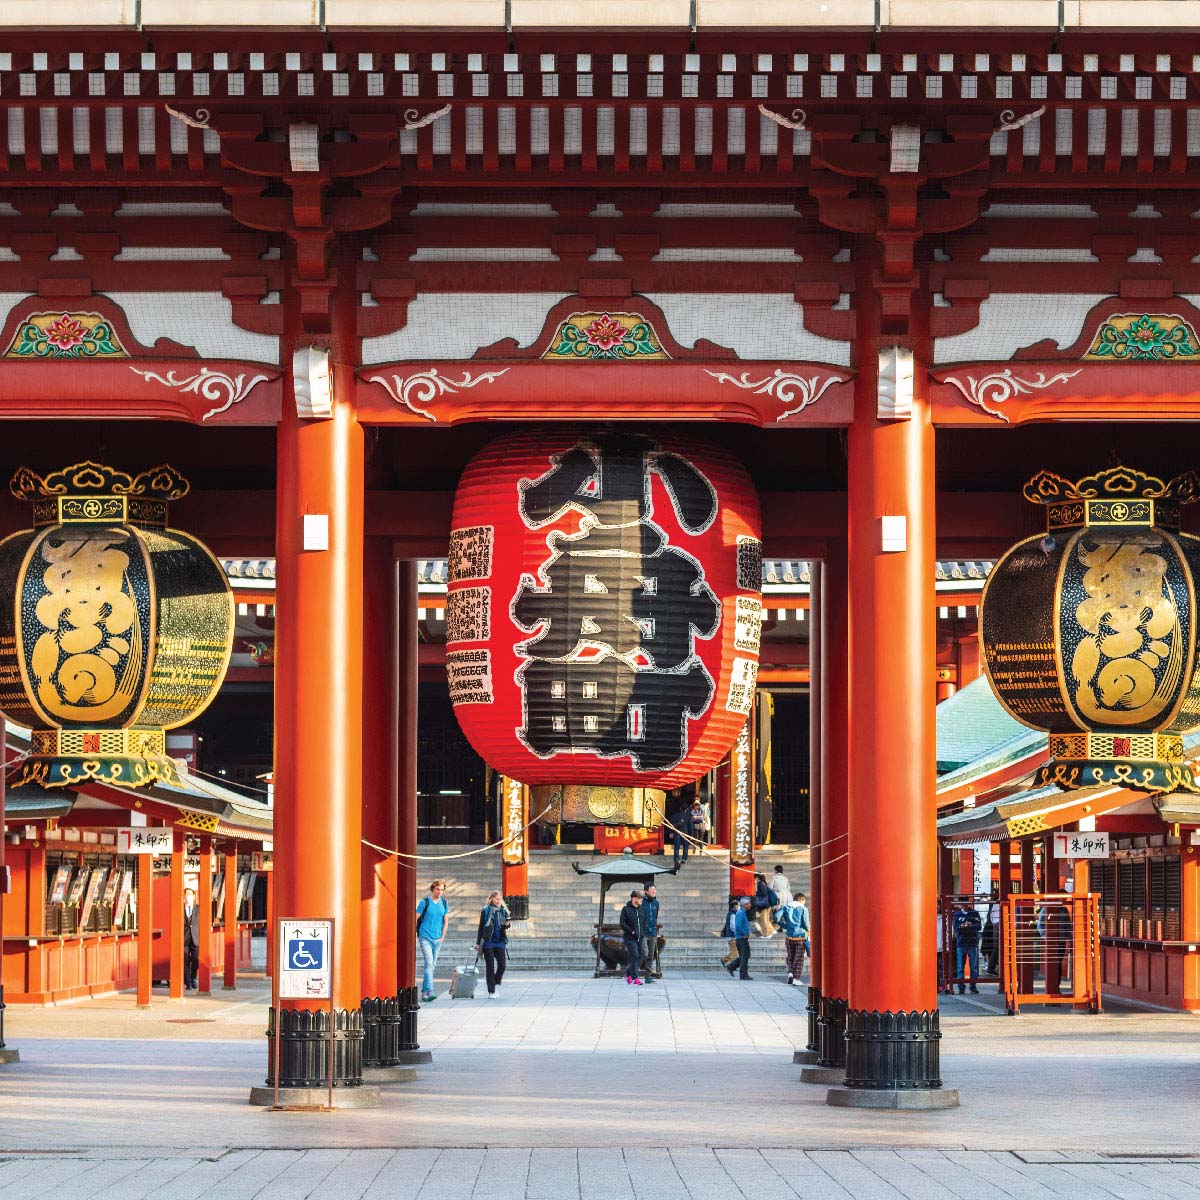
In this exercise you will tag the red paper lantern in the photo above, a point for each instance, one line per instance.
(603, 611)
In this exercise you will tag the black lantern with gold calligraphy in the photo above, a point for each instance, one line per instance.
(116, 627)
(1090, 631)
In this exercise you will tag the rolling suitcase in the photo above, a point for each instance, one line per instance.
(462, 982)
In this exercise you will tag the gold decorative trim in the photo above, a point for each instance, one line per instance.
(1120, 482)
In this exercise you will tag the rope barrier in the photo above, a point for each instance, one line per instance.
(397, 854)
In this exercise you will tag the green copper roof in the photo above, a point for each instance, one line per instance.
(972, 725)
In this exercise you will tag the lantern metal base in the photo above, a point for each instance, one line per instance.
(120, 771)
(1146, 775)
(598, 804)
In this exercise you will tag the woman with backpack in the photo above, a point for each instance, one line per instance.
(491, 940)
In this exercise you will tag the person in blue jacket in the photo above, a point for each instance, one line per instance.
(651, 969)
(792, 918)
(432, 913)
(741, 935)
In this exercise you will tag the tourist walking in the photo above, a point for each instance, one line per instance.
(793, 920)
(632, 931)
(432, 913)
(699, 822)
(191, 940)
(684, 828)
(731, 955)
(968, 925)
(741, 936)
(651, 969)
(989, 945)
(491, 940)
(765, 899)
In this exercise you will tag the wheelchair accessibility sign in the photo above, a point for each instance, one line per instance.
(305, 950)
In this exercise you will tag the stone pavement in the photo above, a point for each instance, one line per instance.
(693, 1078)
(595, 1173)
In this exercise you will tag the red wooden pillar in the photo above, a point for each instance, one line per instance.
(7, 1054)
(833, 945)
(145, 929)
(892, 1028)
(1190, 925)
(175, 917)
(380, 814)
(229, 983)
(406, 784)
(204, 908)
(816, 800)
(271, 949)
(319, 688)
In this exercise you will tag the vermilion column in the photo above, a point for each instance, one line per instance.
(892, 1030)
(816, 793)
(1190, 925)
(175, 920)
(406, 783)
(319, 691)
(832, 943)
(229, 982)
(380, 813)
(7, 1054)
(204, 908)
(514, 856)
(145, 929)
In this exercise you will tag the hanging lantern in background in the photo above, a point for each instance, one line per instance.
(1090, 631)
(115, 628)
(603, 616)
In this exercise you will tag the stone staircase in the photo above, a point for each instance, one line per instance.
(563, 907)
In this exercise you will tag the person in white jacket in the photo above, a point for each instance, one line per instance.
(782, 889)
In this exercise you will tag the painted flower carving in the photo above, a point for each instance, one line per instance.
(604, 333)
(1144, 336)
(65, 335)
(65, 332)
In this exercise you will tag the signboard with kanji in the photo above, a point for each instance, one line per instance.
(144, 841)
(1081, 845)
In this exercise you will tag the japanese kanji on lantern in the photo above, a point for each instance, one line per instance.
(115, 628)
(1089, 632)
(603, 616)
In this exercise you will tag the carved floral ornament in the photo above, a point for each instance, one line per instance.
(419, 389)
(209, 384)
(65, 335)
(605, 337)
(790, 389)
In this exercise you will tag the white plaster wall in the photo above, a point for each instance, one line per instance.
(203, 320)
(1015, 319)
(456, 324)
(755, 325)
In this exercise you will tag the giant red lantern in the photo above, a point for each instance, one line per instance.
(603, 615)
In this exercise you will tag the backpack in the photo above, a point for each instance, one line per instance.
(425, 908)
(772, 897)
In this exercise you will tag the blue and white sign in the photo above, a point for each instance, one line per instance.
(305, 949)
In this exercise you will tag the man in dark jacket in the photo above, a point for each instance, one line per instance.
(632, 931)
(191, 940)
(968, 925)
(650, 965)
(684, 828)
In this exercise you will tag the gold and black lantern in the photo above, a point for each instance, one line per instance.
(116, 627)
(1089, 632)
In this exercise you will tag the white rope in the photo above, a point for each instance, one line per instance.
(397, 854)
